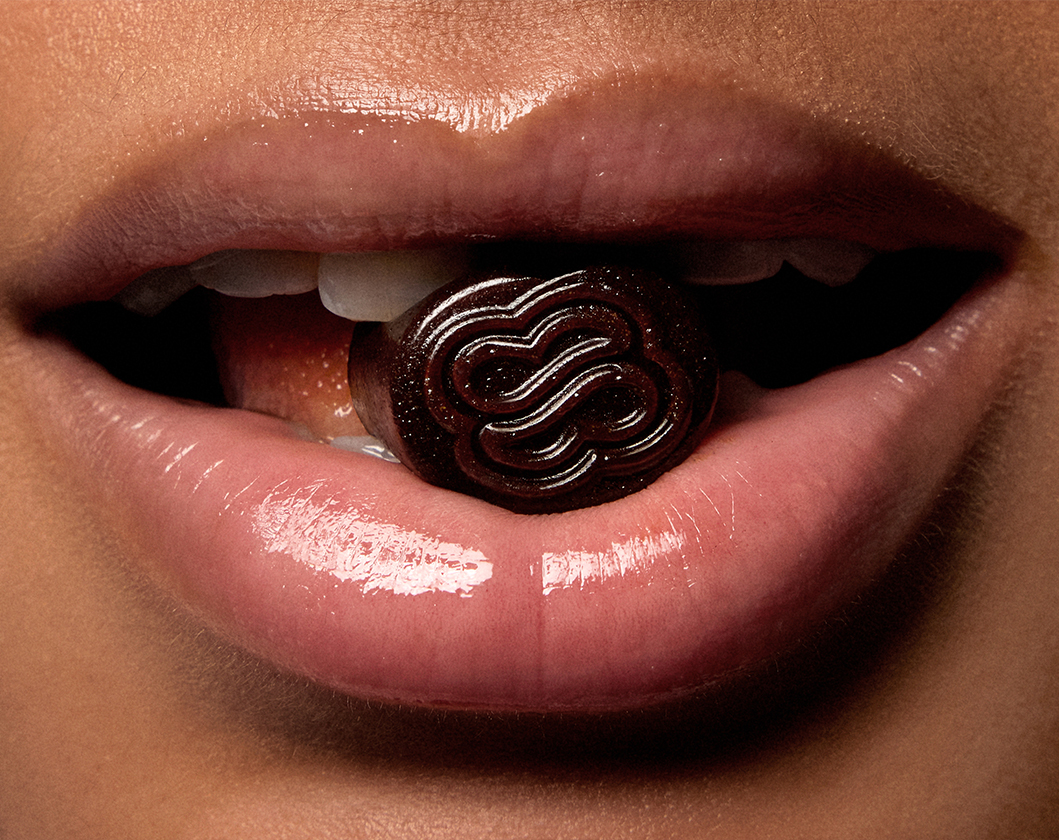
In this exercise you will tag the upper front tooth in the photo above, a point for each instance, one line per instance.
(829, 261)
(256, 273)
(727, 263)
(380, 285)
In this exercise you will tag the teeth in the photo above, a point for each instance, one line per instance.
(729, 263)
(380, 285)
(152, 292)
(253, 274)
(828, 261)
(233, 273)
(365, 444)
(367, 286)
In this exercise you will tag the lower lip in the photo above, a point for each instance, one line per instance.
(351, 572)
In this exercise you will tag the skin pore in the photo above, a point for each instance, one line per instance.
(925, 710)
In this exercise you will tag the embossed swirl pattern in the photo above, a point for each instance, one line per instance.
(552, 390)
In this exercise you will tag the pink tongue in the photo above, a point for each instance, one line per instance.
(286, 356)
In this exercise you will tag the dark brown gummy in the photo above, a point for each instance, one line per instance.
(537, 395)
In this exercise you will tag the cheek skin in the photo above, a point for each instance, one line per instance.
(121, 718)
(80, 689)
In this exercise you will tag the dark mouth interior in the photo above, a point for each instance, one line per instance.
(789, 329)
(781, 331)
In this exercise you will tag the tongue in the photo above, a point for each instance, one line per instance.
(286, 356)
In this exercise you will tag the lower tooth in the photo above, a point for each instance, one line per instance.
(365, 444)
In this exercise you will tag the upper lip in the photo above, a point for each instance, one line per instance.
(692, 162)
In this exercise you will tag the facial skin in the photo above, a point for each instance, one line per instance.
(121, 715)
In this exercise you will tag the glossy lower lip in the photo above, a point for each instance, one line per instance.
(350, 571)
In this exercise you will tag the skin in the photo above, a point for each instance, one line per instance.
(120, 716)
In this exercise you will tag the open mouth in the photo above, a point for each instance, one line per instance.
(259, 310)
(862, 321)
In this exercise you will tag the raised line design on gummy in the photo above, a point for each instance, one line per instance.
(540, 395)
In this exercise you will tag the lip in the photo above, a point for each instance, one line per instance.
(351, 572)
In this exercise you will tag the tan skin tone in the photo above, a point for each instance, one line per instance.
(119, 717)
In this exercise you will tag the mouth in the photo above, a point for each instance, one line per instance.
(864, 321)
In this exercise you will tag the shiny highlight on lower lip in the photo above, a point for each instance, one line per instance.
(634, 555)
(324, 535)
